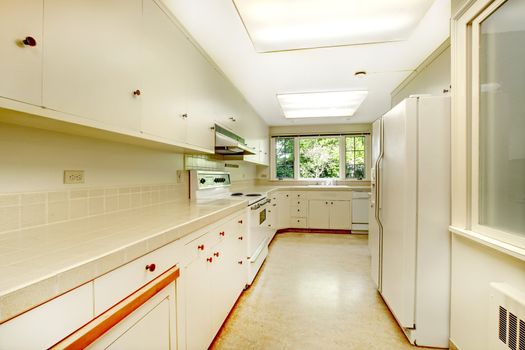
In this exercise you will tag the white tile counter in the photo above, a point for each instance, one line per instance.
(38, 264)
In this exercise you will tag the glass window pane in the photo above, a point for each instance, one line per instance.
(319, 157)
(355, 157)
(284, 157)
(502, 119)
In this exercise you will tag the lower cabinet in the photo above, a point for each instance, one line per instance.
(333, 215)
(213, 281)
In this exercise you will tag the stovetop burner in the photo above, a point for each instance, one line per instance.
(236, 194)
(253, 195)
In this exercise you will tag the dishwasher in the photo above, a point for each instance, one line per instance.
(360, 211)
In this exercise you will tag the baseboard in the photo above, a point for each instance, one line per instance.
(313, 230)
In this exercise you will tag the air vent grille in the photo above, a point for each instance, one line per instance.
(508, 317)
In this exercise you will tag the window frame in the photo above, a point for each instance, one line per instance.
(466, 27)
(342, 156)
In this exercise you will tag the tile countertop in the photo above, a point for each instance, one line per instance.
(40, 263)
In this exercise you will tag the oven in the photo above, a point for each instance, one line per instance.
(258, 234)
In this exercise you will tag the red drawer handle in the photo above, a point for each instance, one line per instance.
(151, 267)
(240, 238)
(221, 233)
(209, 259)
(216, 254)
(201, 247)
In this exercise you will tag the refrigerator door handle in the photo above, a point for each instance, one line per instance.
(377, 200)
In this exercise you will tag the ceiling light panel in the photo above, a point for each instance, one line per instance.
(321, 104)
(280, 25)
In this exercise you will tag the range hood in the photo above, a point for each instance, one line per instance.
(229, 144)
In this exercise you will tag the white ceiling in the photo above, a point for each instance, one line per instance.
(217, 28)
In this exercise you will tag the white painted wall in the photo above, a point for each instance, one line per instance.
(34, 160)
(474, 266)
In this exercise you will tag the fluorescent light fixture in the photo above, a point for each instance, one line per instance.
(321, 104)
(279, 25)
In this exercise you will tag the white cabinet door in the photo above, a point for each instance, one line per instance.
(21, 68)
(165, 75)
(283, 210)
(151, 326)
(318, 214)
(340, 215)
(198, 304)
(92, 60)
(201, 101)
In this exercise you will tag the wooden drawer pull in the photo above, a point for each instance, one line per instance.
(97, 327)
(200, 247)
(151, 267)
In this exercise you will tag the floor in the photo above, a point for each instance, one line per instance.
(313, 292)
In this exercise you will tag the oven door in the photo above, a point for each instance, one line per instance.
(258, 235)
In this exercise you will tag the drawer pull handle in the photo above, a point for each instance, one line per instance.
(240, 238)
(200, 247)
(240, 222)
(210, 259)
(29, 41)
(216, 254)
(221, 233)
(151, 267)
(239, 262)
(136, 92)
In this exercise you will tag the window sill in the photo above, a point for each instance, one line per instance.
(490, 242)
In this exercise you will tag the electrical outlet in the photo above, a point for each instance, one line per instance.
(73, 177)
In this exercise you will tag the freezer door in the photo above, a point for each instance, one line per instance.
(398, 206)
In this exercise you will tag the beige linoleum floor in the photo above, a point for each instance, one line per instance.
(313, 292)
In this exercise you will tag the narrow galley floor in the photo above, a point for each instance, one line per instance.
(313, 292)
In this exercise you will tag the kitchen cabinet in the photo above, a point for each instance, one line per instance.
(340, 215)
(21, 50)
(283, 208)
(298, 209)
(165, 76)
(329, 214)
(92, 60)
(318, 214)
(44, 325)
(214, 279)
(148, 327)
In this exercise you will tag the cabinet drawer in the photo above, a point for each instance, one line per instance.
(116, 285)
(296, 222)
(330, 195)
(198, 246)
(46, 324)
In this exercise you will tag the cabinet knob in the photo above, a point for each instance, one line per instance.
(151, 267)
(216, 254)
(221, 233)
(239, 262)
(136, 92)
(326, 202)
(332, 203)
(210, 259)
(184, 116)
(240, 238)
(233, 119)
(240, 221)
(29, 41)
(200, 247)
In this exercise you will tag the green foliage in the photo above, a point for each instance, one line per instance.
(355, 157)
(284, 157)
(319, 157)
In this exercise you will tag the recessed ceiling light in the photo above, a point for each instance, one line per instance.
(277, 25)
(321, 104)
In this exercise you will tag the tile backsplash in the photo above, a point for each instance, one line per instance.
(24, 210)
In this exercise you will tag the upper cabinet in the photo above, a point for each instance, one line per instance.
(123, 66)
(92, 60)
(21, 50)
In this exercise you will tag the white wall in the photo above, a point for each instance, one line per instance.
(34, 160)
(431, 77)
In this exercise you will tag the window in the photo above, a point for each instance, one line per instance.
(321, 157)
(355, 157)
(284, 157)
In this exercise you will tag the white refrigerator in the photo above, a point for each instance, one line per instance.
(408, 236)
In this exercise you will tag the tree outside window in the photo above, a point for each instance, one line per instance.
(284, 157)
(319, 157)
(355, 157)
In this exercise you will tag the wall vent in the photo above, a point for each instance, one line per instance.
(507, 317)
